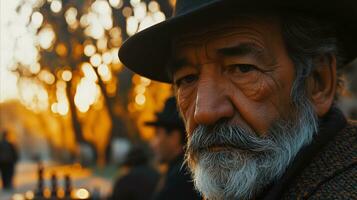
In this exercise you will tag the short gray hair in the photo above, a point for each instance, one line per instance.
(306, 38)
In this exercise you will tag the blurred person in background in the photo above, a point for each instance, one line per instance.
(168, 145)
(139, 178)
(87, 153)
(8, 159)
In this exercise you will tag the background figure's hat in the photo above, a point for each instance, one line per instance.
(169, 117)
(146, 52)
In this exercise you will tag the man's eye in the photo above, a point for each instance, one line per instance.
(186, 80)
(243, 68)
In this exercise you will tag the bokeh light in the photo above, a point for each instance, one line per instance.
(132, 25)
(159, 17)
(107, 57)
(102, 43)
(82, 193)
(61, 49)
(134, 2)
(26, 53)
(127, 12)
(116, 3)
(36, 19)
(84, 20)
(153, 6)
(115, 55)
(18, 197)
(89, 50)
(61, 106)
(145, 81)
(47, 77)
(46, 37)
(140, 99)
(115, 36)
(54, 107)
(96, 60)
(56, 6)
(86, 94)
(140, 89)
(71, 17)
(35, 96)
(95, 30)
(140, 11)
(67, 75)
(104, 72)
(146, 22)
(29, 195)
(89, 72)
(35, 68)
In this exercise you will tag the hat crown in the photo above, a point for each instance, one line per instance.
(169, 114)
(184, 6)
(169, 117)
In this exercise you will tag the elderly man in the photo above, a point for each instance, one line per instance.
(256, 83)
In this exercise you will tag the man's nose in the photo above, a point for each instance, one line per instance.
(212, 100)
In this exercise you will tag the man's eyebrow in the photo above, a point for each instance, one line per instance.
(242, 49)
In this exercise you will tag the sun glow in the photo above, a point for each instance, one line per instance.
(33, 95)
(87, 94)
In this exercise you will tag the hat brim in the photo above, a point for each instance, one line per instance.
(146, 53)
(153, 123)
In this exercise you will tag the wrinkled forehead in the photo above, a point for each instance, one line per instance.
(225, 30)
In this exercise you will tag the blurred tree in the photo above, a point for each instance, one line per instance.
(77, 63)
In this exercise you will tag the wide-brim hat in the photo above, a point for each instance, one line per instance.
(148, 51)
(169, 117)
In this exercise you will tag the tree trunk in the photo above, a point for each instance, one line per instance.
(74, 116)
(119, 128)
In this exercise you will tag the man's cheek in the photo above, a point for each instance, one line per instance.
(185, 100)
(257, 87)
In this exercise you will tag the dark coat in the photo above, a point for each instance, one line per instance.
(138, 184)
(8, 153)
(8, 159)
(326, 169)
(178, 184)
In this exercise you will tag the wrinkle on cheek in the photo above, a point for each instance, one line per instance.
(183, 103)
(252, 113)
(256, 88)
(186, 101)
(280, 86)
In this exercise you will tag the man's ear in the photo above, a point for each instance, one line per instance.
(322, 84)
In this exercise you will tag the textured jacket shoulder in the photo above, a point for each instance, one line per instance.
(332, 174)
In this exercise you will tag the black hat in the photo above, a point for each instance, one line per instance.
(169, 117)
(146, 52)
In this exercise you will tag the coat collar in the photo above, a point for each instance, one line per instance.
(332, 123)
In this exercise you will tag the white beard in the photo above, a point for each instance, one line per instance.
(252, 162)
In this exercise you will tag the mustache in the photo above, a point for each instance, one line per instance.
(228, 136)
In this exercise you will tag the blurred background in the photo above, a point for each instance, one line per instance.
(68, 103)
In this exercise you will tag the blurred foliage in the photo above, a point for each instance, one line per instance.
(75, 74)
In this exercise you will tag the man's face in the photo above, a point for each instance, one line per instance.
(164, 145)
(238, 71)
(233, 83)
